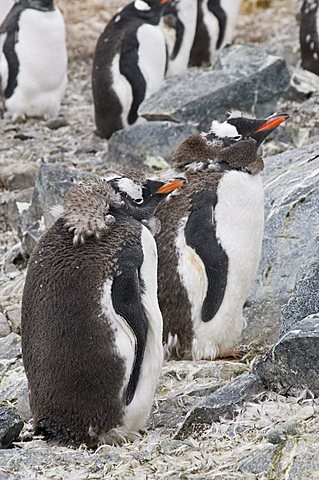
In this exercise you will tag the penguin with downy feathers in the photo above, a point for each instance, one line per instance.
(33, 62)
(216, 21)
(91, 325)
(179, 24)
(129, 65)
(210, 240)
(309, 35)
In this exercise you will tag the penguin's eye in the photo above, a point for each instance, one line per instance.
(139, 200)
(237, 138)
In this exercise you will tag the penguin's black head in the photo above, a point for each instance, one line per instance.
(237, 127)
(42, 5)
(141, 198)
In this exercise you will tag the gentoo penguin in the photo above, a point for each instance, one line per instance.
(33, 62)
(210, 240)
(179, 23)
(129, 65)
(309, 35)
(216, 21)
(91, 324)
(5, 7)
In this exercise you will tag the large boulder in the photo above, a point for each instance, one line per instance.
(52, 182)
(149, 145)
(245, 78)
(293, 362)
(305, 298)
(291, 181)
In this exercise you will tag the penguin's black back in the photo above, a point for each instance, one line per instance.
(118, 37)
(73, 370)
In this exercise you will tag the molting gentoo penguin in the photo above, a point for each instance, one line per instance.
(216, 21)
(33, 62)
(129, 65)
(179, 23)
(309, 35)
(91, 324)
(210, 240)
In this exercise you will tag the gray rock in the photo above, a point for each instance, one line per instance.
(10, 347)
(246, 79)
(4, 326)
(10, 427)
(293, 362)
(144, 145)
(291, 181)
(259, 462)
(14, 318)
(18, 176)
(13, 384)
(19, 202)
(52, 182)
(222, 403)
(305, 298)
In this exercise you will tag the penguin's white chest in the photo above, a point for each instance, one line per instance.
(151, 56)
(42, 56)
(187, 13)
(238, 220)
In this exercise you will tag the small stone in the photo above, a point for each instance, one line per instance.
(4, 326)
(10, 427)
(18, 176)
(56, 123)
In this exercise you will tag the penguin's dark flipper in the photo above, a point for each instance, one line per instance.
(130, 69)
(126, 298)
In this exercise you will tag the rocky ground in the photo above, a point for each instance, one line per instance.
(264, 423)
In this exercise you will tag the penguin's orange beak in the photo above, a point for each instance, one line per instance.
(170, 186)
(272, 122)
(164, 1)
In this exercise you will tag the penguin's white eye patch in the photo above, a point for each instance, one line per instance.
(139, 200)
(224, 129)
(140, 5)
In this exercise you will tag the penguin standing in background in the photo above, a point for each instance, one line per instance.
(210, 240)
(309, 35)
(179, 24)
(91, 324)
(33, 61)
(5, 7)
(216, 21)
(129, 65)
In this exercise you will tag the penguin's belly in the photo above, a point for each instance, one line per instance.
(122, 89)
(151, 56)
(137, 412)
(187, 15)
(212, 28)
(231, 8)
(238, 220)
(42, 59)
